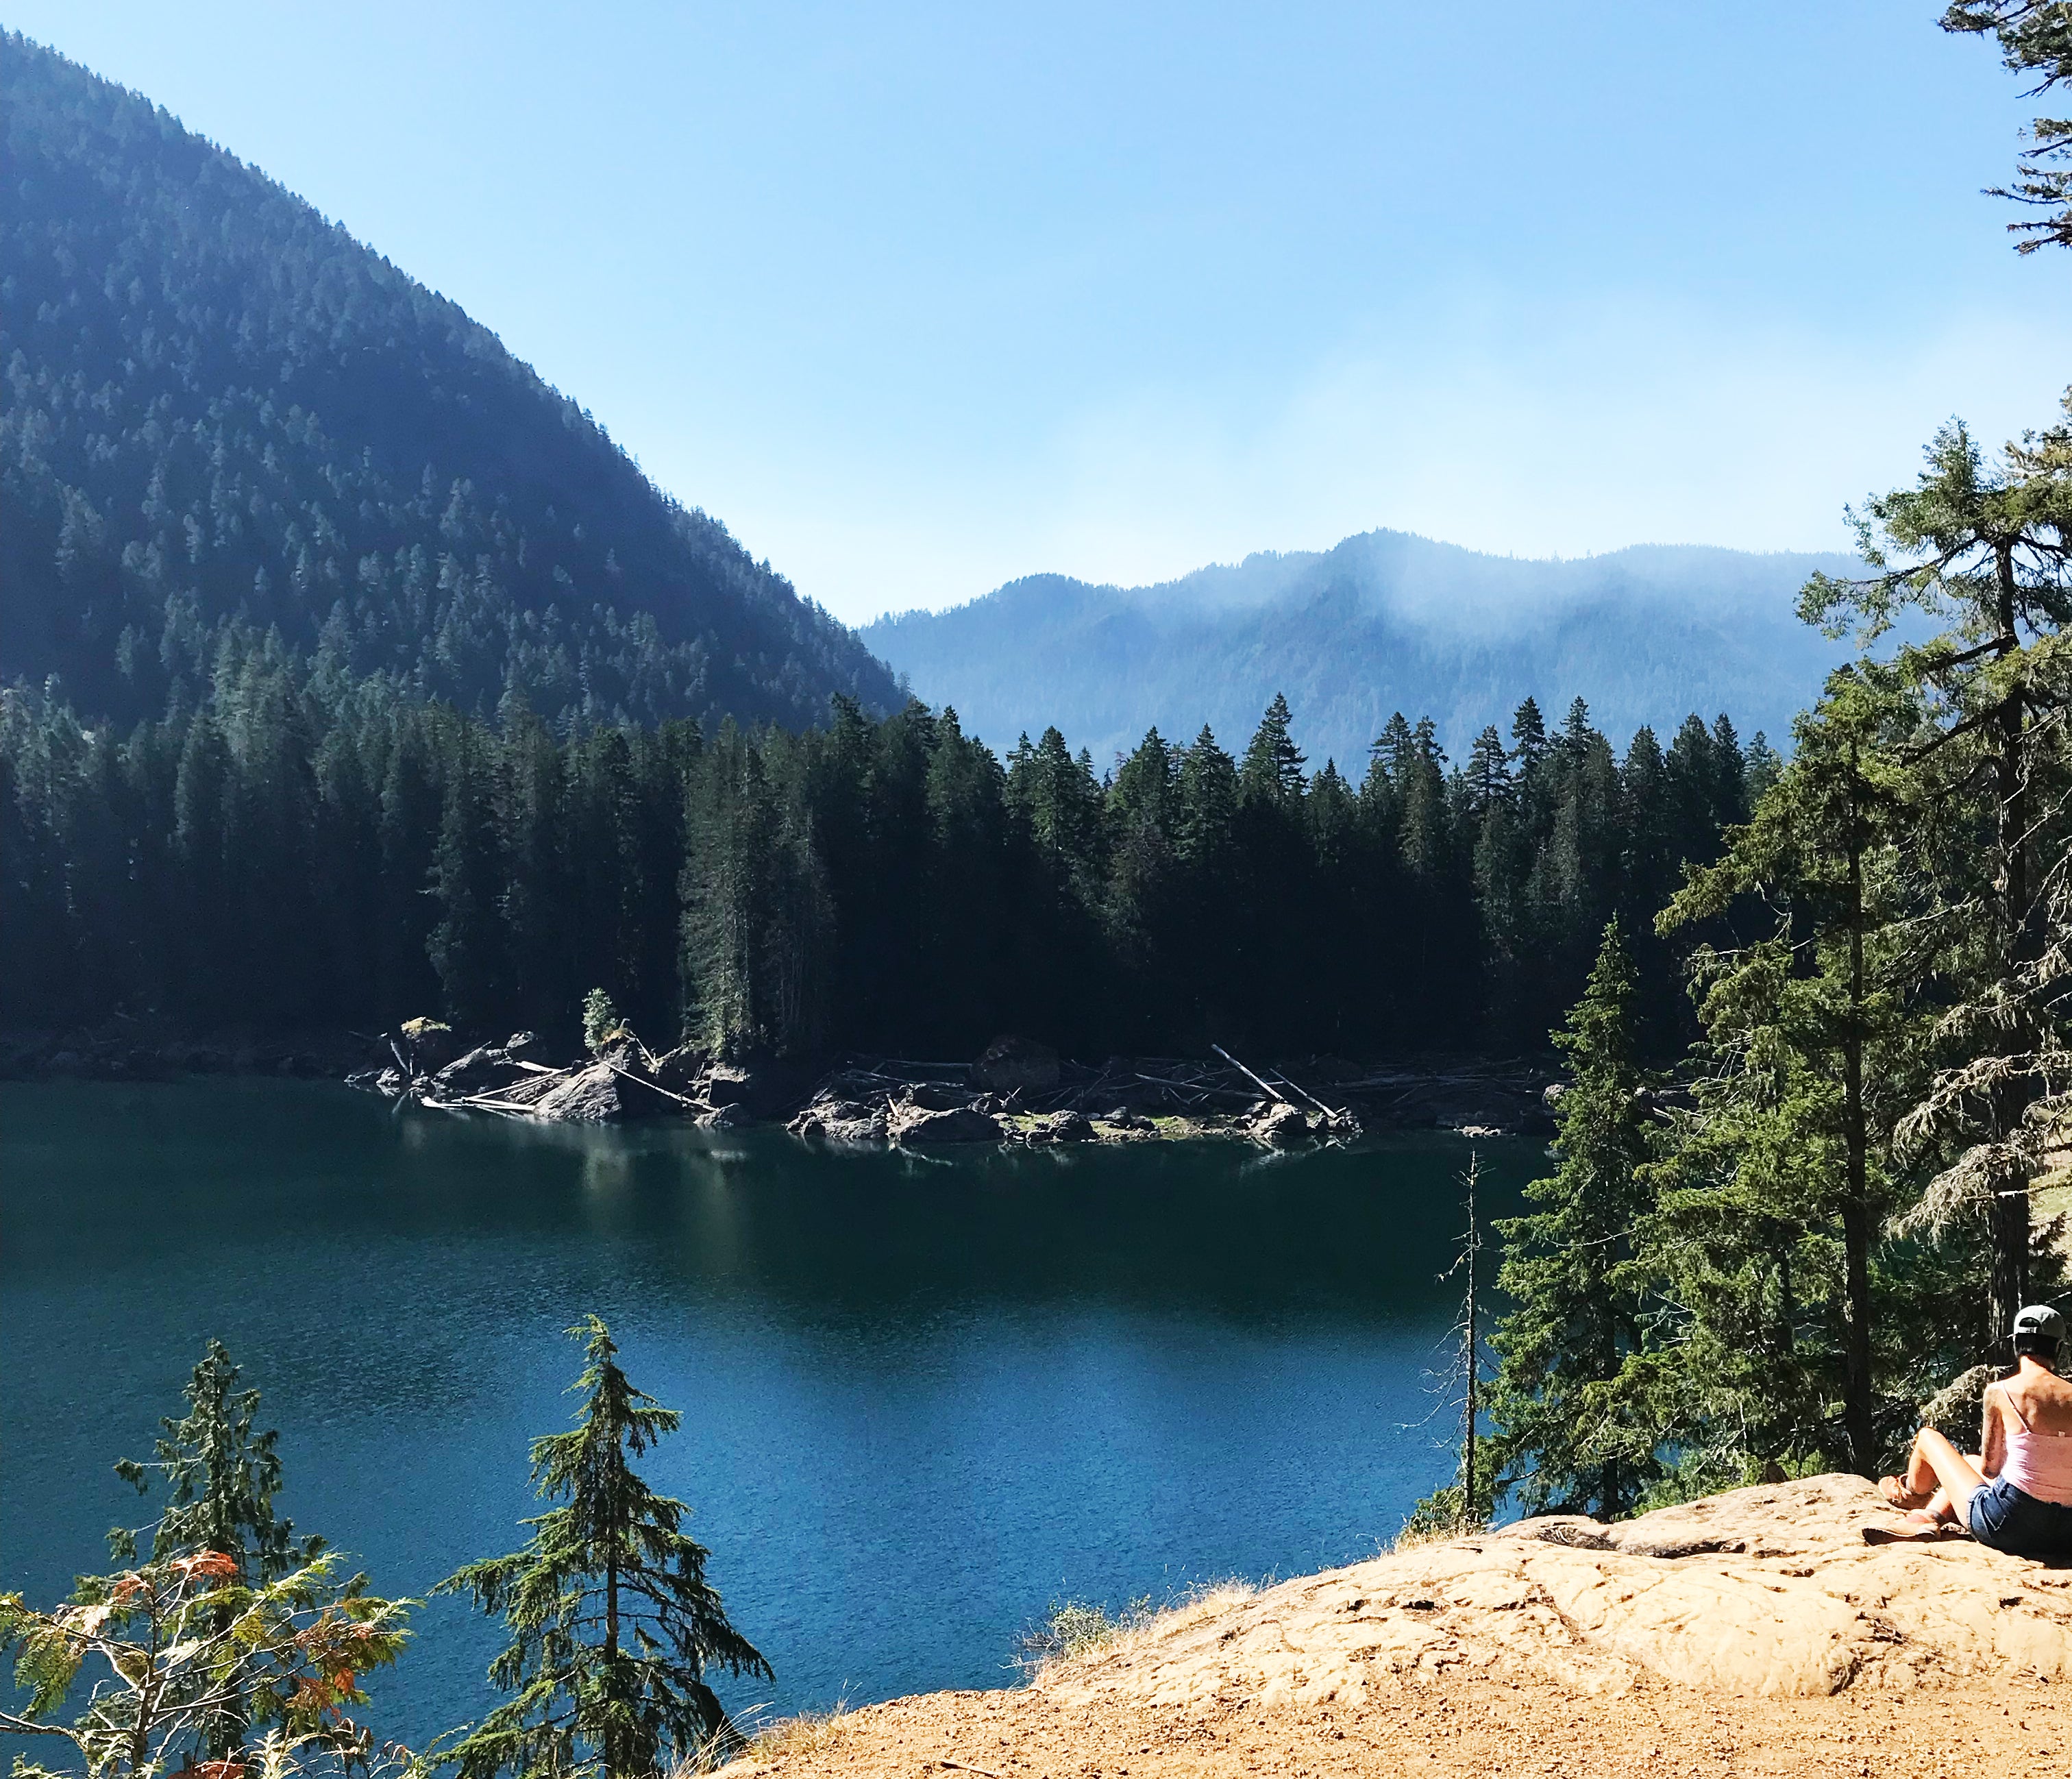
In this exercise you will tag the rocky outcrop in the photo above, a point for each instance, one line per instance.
(761, 1087)
(1060, 1127)
(914, 1126)
(1767, 1590)
(831, 1120)
(1277, 1125)
(840, 1120)
(482, 1067)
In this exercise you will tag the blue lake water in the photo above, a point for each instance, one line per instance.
(924, 1398)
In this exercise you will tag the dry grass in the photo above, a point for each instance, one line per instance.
(1074, 1628)
(1440, 1518)
(809, 1733)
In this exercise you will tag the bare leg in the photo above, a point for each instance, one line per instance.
(1935, 1464)
(1938, 1504)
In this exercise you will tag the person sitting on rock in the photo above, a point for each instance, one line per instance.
(2016, 1493)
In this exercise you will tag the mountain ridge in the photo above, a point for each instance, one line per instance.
(222, 408)
(1384, 621)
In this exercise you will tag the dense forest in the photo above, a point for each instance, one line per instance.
(301, 848)
(220, 408)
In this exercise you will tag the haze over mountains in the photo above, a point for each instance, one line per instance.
(225, 417)
(1385, 621)
(220, 408)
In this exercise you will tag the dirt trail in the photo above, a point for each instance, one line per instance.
(1751, 1634)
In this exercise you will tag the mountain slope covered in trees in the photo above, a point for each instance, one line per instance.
(1383, 622)
(221, 408)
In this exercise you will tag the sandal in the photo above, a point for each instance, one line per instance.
(1894, 1490)
(1920, 1528)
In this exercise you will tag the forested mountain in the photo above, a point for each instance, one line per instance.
(222, 409)
(1383, 622)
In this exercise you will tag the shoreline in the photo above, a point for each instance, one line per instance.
(1026, 1095)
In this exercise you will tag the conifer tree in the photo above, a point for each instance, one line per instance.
(2035, 38)
(614, 1627)
(1987, 549)
(1567, 1427)
(1271, 769)
(219, 1476)
(1772, 1198)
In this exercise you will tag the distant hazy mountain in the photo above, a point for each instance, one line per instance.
(220, 408)
(1385, 622)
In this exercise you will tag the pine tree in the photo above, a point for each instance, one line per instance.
(2035, 38)
(1988, 548)
(614, 1627)
(1271, 769)
(1208, 792)
(219, 1476)
(1776, 1190)
(1567, 1427)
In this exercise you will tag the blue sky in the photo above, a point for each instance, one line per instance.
(918, 299)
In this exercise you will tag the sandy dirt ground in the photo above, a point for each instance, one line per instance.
(1446, 1725)
(1753, 1633)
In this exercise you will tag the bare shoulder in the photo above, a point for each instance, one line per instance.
(2041, 1397)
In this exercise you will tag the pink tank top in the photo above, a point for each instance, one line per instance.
(2039, 1464)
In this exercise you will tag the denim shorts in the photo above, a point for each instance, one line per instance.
(2004, 1519)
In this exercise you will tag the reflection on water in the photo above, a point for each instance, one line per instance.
(924, 1396)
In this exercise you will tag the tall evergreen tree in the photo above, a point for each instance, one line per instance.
(614, 1627)
(1988, 550)
(219, 1476)
(1567, 1426)
(1773, 1197)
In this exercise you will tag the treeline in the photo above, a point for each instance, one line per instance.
(217, 408)
(304, 849)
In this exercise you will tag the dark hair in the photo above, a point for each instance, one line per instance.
(2039, 1347)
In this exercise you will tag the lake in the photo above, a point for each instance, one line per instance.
(923, 1396)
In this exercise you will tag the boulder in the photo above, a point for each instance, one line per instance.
(525, 1045)
(913, 1127)
(832, 1120)
(590, 1096)
(1278, 1125)
(480, 1070)
(598, 1094)
(1062, 1127)
(1010, 1063)
(679, 1069)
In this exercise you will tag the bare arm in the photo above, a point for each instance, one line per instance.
(1992, 1435)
